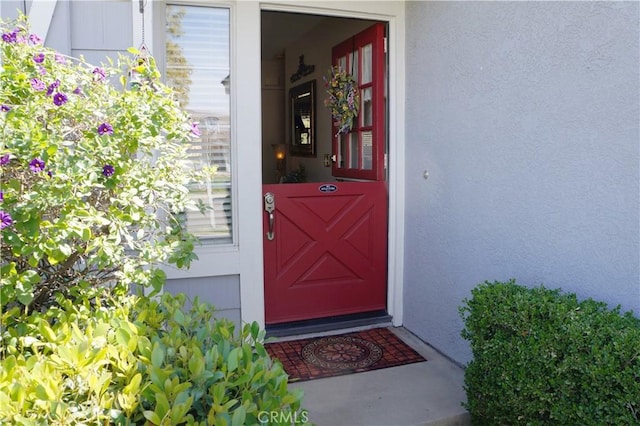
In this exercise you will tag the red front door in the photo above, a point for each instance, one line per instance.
(325, 243)
(327, 254)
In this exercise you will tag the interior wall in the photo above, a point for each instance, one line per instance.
(273, 115)
(316, 47)
(525, 115)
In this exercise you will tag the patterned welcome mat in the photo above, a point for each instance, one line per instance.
(318, 357)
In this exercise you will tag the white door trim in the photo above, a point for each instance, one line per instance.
(40, 16)
(246, 33)
(246, 108)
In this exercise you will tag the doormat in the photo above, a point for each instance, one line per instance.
(328, 356)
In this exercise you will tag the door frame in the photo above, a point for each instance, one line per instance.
(246, 67)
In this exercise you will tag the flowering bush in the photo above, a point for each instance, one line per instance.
(343, 100)
(89, 188)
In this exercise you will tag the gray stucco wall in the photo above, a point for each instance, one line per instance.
(525, 115)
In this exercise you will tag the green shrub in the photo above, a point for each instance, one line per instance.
(132, 360)
(542, 357)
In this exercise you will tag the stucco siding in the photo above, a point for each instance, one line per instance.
(525, 115)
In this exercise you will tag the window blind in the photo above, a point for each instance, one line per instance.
(197, 67)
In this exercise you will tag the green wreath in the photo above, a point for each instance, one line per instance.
(343, 100)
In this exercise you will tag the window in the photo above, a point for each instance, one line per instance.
(360, 152)
(197, 67)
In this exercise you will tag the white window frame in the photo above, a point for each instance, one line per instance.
(245, 256)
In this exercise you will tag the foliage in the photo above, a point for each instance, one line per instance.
(91, 203)
(344, 99)
(131, 360)
(90, 190)
(298, 175)
(541, 357)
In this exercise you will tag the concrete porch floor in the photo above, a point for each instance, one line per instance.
(425, 393)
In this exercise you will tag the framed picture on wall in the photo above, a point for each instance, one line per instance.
(302, 99)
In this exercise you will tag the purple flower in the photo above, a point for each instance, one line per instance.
(77, 91)
(38, 85)
(59, 99)
(5, 108)
(49, 173)
(11, 37)
(52, 87)
(60, 59)
(39, 58)
(105, 129)
(42, 70)
(195, 130)
(108, 170)
(35, 39)
(5, 219)
(1, 196)
(4, 160)
(99, 74)
(36, 165)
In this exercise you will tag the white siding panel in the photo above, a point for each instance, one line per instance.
(230, 314)
(95, 57)
(59, 35)
(223, 292)
(104, 25)
(40, 16)
(10, 9)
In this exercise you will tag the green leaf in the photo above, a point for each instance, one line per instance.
(232, 359)
(46, 331)
(238, 416)
(31, 226)
(196, 363)
(152, 417)
(162, 405)
(157, 355)
(86, 234)
(134, 385)
(122, 336)
(255, 330)
(158, 278)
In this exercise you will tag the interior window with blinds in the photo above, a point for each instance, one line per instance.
(197, 67)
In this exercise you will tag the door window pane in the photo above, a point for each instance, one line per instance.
(367, 150)
(353, 70)
(342, 62)
(366, 116)
(366, 64)
(342, 151)
(198, 68)
(353, 150)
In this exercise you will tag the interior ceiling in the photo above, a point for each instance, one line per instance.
(280, 29)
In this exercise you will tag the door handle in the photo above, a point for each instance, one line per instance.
(269, 208)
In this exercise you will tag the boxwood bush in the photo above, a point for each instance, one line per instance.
(128, 360)
(541, 356)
